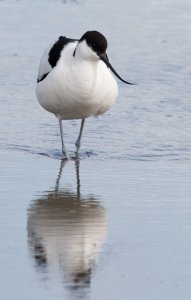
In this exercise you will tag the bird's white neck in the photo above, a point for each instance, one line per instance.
(83, 51)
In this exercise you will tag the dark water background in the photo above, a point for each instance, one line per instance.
(116, 225)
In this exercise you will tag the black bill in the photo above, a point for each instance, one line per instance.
(105, 59)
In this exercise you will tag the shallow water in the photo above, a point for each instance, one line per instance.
(117, 223)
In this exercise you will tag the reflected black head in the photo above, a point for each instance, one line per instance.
(96, 41)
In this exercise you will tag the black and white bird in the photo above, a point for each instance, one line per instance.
(75, 80)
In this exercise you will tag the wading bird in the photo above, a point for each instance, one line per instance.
(75, 80)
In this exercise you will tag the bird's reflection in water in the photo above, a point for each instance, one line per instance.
(66, 231)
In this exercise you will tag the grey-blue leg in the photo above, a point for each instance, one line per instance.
(64, 150)
(78, 142)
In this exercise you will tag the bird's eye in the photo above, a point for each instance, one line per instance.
(93, 45)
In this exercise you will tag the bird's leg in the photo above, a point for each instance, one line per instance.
(78, 142)
(64, 150)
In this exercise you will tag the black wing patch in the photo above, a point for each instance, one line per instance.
(54, 55)
(43, 77)
(56, 49)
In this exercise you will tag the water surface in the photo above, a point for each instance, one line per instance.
(115, 224)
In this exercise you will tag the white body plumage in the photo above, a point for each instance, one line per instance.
(75, 80)
(78, 86)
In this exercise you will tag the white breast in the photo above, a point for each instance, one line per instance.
(77, 88)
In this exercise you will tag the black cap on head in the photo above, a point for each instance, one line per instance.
(96, 41)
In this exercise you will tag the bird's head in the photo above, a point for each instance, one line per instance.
(92, 46)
